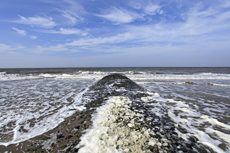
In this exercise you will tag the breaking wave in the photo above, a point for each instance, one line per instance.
(135, 75)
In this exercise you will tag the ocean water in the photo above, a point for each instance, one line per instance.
(33, 101)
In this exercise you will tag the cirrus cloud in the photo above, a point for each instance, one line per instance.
(120, 15)
(37, 21)
(33, 37)
(20, 32)
(97, 41)
(73, 17)
(7, 48)
(57, 48)
(67, 31)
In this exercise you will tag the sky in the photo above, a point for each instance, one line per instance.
(114, 33)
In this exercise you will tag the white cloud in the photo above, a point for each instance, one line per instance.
(20, 32)
(23, 33)
(147, 7)
(57, 48)
(97, 41)
(33, 37)
(200, 25)
(120, 15)
(152, 9)
(68, 31)
(37, 21)
(226, 4)
(6, 48)
(200, 21)
(74, 18)
(74, 6)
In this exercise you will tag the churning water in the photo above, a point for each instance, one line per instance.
(33, 101)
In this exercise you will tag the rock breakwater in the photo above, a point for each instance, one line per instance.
(119, 116)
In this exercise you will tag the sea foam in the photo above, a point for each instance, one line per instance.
(113, 131)
(194, 123)
(33, 122)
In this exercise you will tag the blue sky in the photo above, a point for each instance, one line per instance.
(86, 33)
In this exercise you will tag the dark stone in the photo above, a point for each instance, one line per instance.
(193, 139)
(223, 146)
(77, 127)
(152, 148)
(63, 147)
(59, 136)
(69, 136)
(52, 145)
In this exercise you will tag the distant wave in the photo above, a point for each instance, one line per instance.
(136, 75)
(182, 77)
(188, 82)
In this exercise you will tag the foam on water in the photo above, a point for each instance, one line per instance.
(32, 107)
(134, 75)
(210, 76)
(191, 123)
(77, 75)
(198, 102)
(112, 127)
(199, 106)
(43, 125)
(182, 83)
(112, 130)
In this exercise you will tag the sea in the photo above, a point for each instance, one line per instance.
(195, 98)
